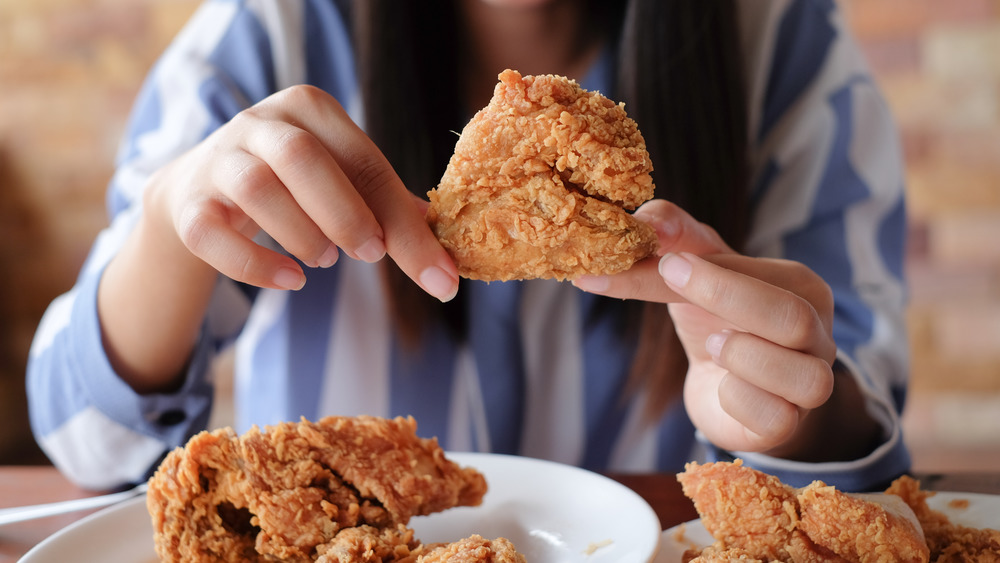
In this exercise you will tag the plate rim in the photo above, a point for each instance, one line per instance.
(86, 521)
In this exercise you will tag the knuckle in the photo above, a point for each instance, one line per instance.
(303, 95)
(194, 229)
(294, 146)
(817, 388)
(372, 175)
(243, 266)
(252, 178)
(777, 422)
(404, 244)
(797, 319)
(811, 286)
(711, 290)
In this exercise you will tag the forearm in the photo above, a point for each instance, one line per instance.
(151, 303)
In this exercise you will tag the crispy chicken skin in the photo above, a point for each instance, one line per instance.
(948, 543)
(743, 508)
(754, 516)
(340, 489)
(539, 185)
(717, 554)
(367, 544)
(856, 528)
(473, 549)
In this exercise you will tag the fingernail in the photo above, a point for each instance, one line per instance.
(676, 271)
(287, 278)
(438, 283)
(594, 284)
(714, 343)
(371, 251)
(329, 257)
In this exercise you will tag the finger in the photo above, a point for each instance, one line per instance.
(788, 274)
(641, 282)
(315, 184)
(799, 378)
(422, 204)
(754, 305)
(677, 231)
(253, 186)
(408, 239)
(768, 419)
(212, 238)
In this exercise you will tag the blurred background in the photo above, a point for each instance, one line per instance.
(69, 70)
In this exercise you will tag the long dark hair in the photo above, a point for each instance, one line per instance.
(679, 74)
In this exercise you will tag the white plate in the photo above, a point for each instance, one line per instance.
(982, 511)
(553, 513)
(121, 533)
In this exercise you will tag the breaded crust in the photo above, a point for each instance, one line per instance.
(297, 490)
(539, 185)
(754, 516)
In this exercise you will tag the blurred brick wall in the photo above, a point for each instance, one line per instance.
(70, 68)
(939, 65)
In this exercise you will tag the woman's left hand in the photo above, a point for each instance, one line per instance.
(756, 331)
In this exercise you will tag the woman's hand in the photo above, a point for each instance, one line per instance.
(757, 332)
(296, 167)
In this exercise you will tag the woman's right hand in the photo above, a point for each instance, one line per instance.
(297, 167)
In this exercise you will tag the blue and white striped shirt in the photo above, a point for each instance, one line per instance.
(542, 370)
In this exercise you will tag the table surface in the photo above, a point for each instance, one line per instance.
(20, 486)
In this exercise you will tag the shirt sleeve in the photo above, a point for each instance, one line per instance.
(92, 425)
(828, 192)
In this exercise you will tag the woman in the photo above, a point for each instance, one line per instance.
(273, 137)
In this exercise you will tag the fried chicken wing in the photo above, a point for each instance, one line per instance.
(753, 515)
(539, 185)
(301, 491)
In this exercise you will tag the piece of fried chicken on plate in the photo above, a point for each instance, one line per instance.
(743, 508)
(540, 185)
(367, 544)
(280, 493)
(948, 542)
(719, 554)
(749, 510)
(473, 549)
(857, 527)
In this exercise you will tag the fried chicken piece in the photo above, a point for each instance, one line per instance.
(759, 517)
(280, 493)
(473, 549)
(743, 508)
(856, 527)
(947, 542)
(719, 554)
(366, 544)
(539, 185)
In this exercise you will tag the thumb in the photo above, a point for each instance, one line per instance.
(677, 231)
